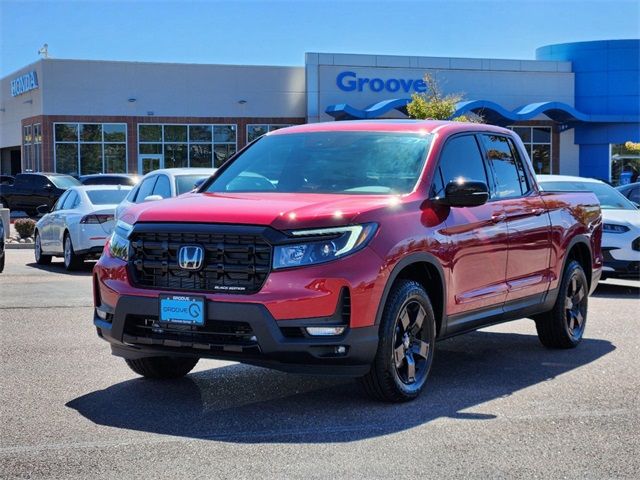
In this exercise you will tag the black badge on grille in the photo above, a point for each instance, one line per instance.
(191, 257)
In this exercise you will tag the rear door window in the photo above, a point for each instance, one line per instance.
(508, 170)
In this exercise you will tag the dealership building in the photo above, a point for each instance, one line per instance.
(574, 106)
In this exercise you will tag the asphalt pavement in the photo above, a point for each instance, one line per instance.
(498, 404)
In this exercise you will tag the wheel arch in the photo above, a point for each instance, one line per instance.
(579, 249)
(425, 269)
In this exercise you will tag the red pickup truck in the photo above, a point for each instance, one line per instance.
(349, 248)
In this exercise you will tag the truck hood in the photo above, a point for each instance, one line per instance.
(282, 211)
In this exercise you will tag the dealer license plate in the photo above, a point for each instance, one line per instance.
(182, 309)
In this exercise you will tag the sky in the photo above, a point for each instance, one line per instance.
(280, 32)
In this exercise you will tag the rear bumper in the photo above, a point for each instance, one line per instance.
(265, 342)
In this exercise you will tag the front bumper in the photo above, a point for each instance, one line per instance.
(243, 332)
(614, 268)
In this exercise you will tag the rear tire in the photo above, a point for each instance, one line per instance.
(563, 326)
(71, 260)
(41, 259)
(162, 367)
(405, 349)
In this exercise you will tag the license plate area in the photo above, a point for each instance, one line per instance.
(182, 309)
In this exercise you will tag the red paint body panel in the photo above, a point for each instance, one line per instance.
(488, 255)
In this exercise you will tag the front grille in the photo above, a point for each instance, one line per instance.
(233, 262)
(636, 244)
(214, 334)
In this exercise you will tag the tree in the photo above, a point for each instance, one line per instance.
(432, 104)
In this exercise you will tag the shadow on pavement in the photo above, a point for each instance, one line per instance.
(615, 290)
(57, 266)
(246, 404)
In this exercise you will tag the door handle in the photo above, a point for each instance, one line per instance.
(537, 211)
(498, 217)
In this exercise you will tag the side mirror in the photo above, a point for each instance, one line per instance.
(152, 198)
(43, 209)
(465, 193)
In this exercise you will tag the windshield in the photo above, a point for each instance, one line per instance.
(609, 197)
(328, 162)
(107, 197)
(186, 183)
(64, 181)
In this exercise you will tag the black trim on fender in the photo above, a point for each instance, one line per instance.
(417, 257)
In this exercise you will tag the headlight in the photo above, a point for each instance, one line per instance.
(614, 228)
(323, 245)
(119, 241)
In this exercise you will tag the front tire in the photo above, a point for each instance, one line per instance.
(71, 260)
(405, 350)
(41, 259)
(162, 368)
(563, 326)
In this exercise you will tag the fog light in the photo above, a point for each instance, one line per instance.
(102, 315)
(325, 331)
(341, 350)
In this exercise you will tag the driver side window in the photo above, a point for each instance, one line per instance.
(460, 157)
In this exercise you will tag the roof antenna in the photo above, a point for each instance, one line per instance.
(44, 51)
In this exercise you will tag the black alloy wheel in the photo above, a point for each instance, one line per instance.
(563, 326)
(406, 345)
(575, 304)
(411, 347)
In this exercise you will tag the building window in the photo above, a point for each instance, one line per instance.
(185, 145)
(37, 147)
(85, 148)
(256, 130)
(27, 142)
(537, 142)
(625, 164)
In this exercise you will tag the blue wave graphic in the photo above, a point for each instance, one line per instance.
(490, 111)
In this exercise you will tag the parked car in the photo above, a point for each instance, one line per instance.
(621, 218)
(109, 179)
(631, 191)
(7, 179)
(348, 248)
(165, 183)
(30, 190)
(2, 259)
(78, 225)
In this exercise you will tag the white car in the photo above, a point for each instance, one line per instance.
(165, 183)
(78, 225)
(621, 224)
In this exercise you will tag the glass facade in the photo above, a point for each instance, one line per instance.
(85, 148)
(625, 163)
(255, 130)
(537, 142)
(187, 145)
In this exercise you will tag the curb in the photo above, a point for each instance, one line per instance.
(18, 246)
